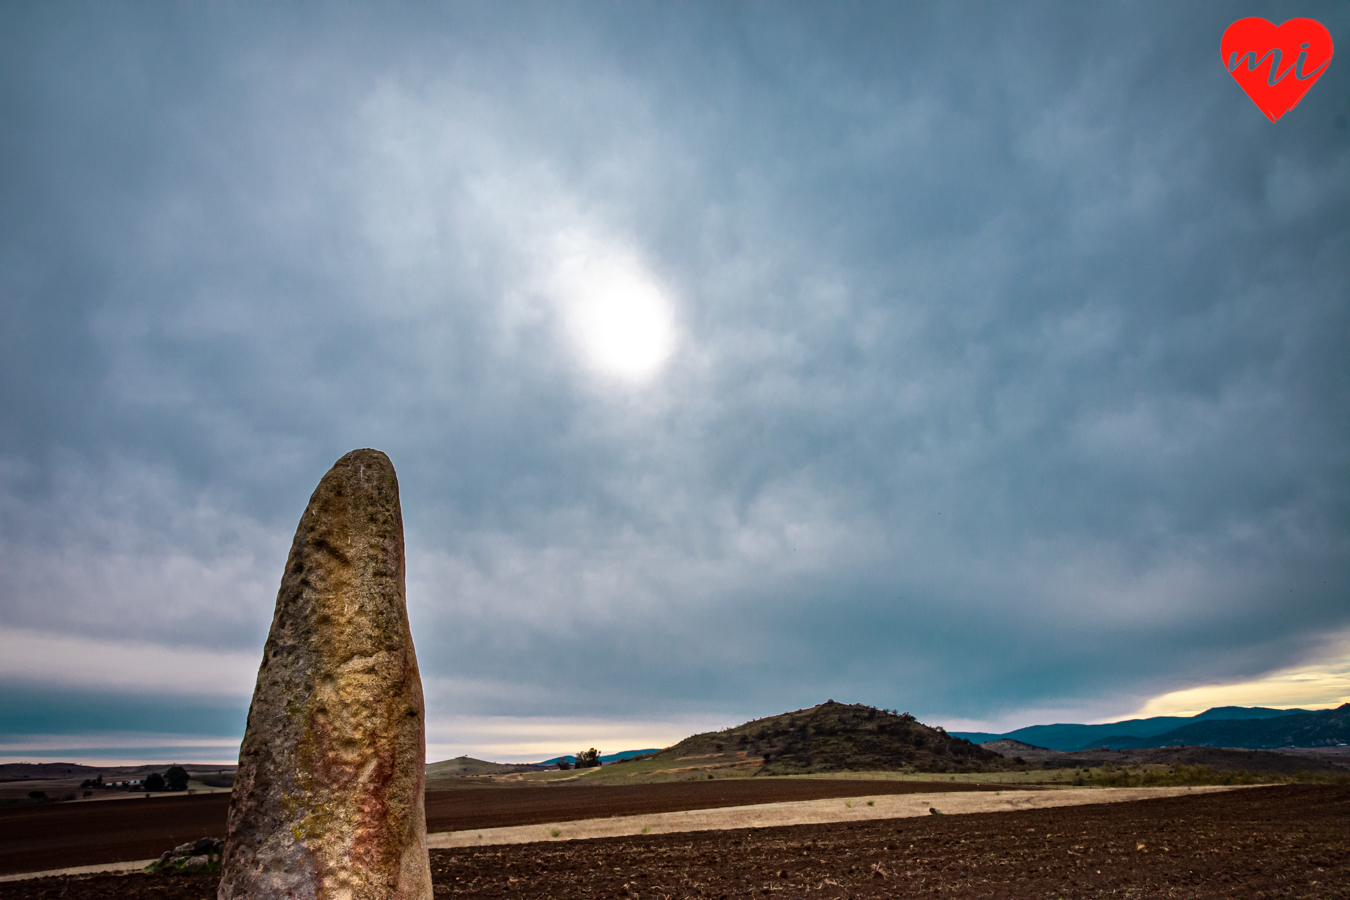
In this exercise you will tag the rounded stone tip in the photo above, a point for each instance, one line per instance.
(361, 472)
(363, 459)
(367, 454)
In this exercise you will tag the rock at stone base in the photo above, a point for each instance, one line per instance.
(200, 856)
(328, 798)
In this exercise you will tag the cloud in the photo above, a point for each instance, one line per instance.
(129, 666)
(120, 748)
(533, 739)
(126, 554)
(970, 365)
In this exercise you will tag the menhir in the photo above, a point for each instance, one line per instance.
(328, 798)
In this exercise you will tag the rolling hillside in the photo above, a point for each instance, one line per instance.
(461, 766)
(835, 737)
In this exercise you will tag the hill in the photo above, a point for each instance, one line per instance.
(1071, 737)
(836, 737)
(1245, 712)
(1324, 728)
(462, 766)
(43, 771)
(1008, 747)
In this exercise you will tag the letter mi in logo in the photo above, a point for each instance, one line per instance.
(1261, 56)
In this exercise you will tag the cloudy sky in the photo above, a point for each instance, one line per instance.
(983, 361)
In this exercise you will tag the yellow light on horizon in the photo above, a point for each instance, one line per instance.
(1324, 684)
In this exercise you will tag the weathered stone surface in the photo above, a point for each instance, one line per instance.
(328, 800)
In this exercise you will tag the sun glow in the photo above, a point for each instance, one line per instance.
(615, 313)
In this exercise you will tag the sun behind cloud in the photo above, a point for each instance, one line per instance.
(616, 314)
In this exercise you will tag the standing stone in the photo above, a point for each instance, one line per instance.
(328, 799)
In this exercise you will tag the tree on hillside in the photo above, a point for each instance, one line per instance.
(176, 779)
(588, 759)
(155, 782)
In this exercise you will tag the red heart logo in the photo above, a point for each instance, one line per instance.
(1276, 66)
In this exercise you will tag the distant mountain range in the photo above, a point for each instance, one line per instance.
(1253, 728)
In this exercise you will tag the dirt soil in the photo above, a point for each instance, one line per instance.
(63, 835)
(804, 812)
(1218, 759)
(1285, 841)
(463, 810)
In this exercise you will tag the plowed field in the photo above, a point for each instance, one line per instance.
(63, 835)
(1270, 842)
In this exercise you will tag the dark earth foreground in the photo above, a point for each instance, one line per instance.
(1289, 841)
(64, 835)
